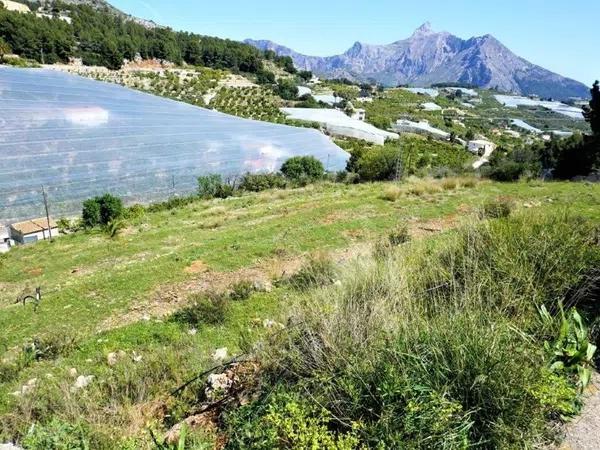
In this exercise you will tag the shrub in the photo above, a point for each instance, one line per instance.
(399, 235)
(209, 185)
(317, 271)
(101, 210)
(50, 346)
(498, 208)
(423, 187)
(391, 193)
(262, 182)
(287, 89)
(287, 421)
(438, 347)
(449, 184)
(265, 77)
(379, 164)
(242, 290)
(57, 435)
(303, 167)
(210, 309)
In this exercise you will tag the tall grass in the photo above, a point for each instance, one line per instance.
(440, 345)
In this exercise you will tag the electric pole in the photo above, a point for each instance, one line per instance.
(47, 212)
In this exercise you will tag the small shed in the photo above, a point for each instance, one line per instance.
(33, 230)
(481, 146)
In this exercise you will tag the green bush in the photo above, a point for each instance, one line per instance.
(317, 271)
(498, 208)
(303, 167)
(287, 421)
(262, 181)
(439, 346)
(287, 89)
(242, 290)
(101, 210)
(209, 309)
(57, 435)
(209, 185)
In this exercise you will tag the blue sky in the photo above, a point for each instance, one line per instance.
(559, 35)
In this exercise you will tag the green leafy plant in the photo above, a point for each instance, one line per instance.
(303, 167)
(572, 352)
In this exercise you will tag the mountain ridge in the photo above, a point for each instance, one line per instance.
(428, 57)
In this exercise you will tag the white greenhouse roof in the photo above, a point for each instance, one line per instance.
(303, 90)
(409, 126)
(339, 123)
(424, 91)
(525, 126)
(79, 138)
(430, 106)
(512, 101)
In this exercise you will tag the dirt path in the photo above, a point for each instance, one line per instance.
(584, 432)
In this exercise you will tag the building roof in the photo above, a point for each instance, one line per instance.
(33, 225)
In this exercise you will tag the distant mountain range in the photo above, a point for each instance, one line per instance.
(429, 57)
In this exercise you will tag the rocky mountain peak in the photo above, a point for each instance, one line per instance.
(423, 30)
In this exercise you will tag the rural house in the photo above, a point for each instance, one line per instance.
(4, 240)
(481, 147)
(33, 230)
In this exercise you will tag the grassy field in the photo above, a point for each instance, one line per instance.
(108, 295)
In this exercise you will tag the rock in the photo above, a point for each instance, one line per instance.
(137, 358)
(192, 331)
(73, 372)
(83, 381)
(263, 286)
(9, 446)
(218, 386)
(112, 359)
(271, 324)
(220, 354)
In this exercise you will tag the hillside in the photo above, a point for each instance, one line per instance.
(428, 57)
(101, 35)
(108, 309)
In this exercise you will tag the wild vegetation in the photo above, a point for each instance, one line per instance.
(103, 38)
(121, 327)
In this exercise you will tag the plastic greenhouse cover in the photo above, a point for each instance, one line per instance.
(79, 138)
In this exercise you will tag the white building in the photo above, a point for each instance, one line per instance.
(359, 114)
(33, 230)
(481, 146)
(422, 127)
(4, 240)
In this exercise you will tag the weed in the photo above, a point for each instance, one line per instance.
(209, 309)
(242, 290)
(449, 184)
(318, 271)
(391, 193)
(499, 208)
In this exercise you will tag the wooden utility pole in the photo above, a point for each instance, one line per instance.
(47, 212)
